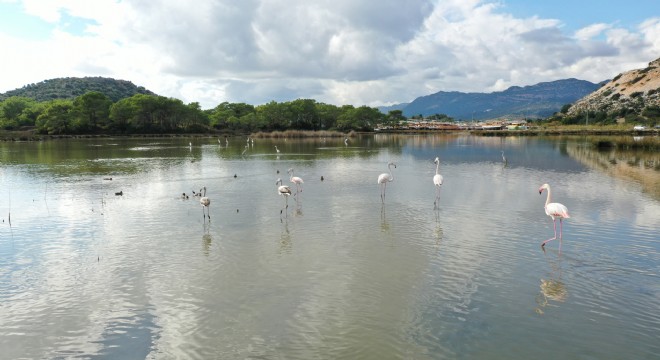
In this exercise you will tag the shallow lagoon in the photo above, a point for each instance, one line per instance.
(85, 273)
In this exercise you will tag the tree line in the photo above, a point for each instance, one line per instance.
(95, 113)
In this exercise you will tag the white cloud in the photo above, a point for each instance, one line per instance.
(336, 51)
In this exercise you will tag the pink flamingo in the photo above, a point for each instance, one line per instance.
(554, 210)
(285, 191)
(206, 202)
(383, 179)
(437, 180)
(296, 180)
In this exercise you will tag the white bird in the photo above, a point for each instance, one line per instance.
(384, 178)
(346, 141)
(285, 191)
(190, 146)
(437, 180)
(246, 149)
(554, 210)
(206, 202)
(503, 158)
(296, 180)
(276, 149)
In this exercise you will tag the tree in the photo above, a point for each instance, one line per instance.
(92, 111)
(11, 110)
(363, 118)
(394, 117)
(56, 117)
(121, 114)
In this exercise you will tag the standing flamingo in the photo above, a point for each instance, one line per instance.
(554, 210)
(296, 180)
(383, 179)
(206, 202)
(285, 191)
(504, 158)
(437, 181)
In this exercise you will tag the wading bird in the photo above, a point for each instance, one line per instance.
(503, 158)
(383, 179)
(285, 191)
(296, 180)
(554, 210)
(276, 149)
(346, 141)
(437, 181)
(206, 202)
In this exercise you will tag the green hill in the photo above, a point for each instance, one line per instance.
(72, 87)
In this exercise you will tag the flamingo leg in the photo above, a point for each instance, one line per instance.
(554, 225)
(561, 231)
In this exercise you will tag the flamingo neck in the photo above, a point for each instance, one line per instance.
(437, 168)
(547, 200)
(389, 167)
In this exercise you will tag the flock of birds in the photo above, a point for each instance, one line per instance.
(552, 209)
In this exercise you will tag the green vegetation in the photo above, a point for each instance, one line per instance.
(96, 113)
(648, 116)
(70, 88)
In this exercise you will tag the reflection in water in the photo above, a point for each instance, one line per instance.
(384, 225)
(552, 289)
(285, 238)
(206, 243)
(640, 166)
(298, 211)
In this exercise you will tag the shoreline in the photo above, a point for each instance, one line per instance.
(31, 136)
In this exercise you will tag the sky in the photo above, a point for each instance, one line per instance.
(366, 52)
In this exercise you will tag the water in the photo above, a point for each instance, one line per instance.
(338, 275)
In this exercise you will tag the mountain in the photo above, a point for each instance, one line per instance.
(387, 109)
(540, 100)
(628, 92)
(72, 87)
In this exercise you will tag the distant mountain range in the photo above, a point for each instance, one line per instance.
(537, 101)
(72, 87)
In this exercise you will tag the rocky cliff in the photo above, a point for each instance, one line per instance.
(631, 91)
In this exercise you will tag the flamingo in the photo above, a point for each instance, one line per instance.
(437, 180)
(554, 210)
(285, 191)
(206, 202)
(503, 158)
(383, 179)
(296, 180)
